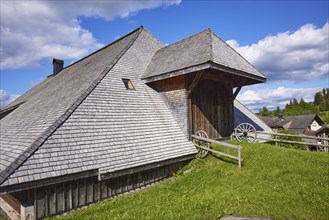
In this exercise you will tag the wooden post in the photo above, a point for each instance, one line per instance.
(239, 155)
(275, 137)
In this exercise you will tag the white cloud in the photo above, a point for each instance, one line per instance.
(35, 30)
(256, 99)
(296, 56)
(6, 98)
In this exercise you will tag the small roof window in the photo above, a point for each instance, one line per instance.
(128, 84)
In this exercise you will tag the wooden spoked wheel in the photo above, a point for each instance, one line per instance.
(202, 152)
(245, 132)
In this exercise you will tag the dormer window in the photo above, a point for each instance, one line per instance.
(128, 84)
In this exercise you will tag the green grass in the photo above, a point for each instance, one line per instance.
(275, 182)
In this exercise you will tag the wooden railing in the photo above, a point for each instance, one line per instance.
(276, 140)
(237, 147)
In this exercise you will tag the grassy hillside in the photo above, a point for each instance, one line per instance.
(274, 182)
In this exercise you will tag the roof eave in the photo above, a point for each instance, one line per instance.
(203, 66)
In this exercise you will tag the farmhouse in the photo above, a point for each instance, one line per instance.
(116, 120)
(302, 124)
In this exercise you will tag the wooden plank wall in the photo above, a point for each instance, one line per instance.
(63, 197)
(212, 109)
(209, 107)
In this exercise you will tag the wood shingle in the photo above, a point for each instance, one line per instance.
(111, 129)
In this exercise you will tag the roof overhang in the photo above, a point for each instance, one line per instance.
(46, 182)
(103, 175)
(215, 72)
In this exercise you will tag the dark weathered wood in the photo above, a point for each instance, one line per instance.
(251, 78)
(75, 195)
(47, 182)
(124, 183)
(89, 191)
(238, 89)
(51, 203)
(97, 191)
(293, 142)
(218, 152)
(194, 83)
(103, 190)
(239, 148)
(46, 201)
(291, 135)
(239, 157)
(41, 203)
(68, 196)
(140, 179)
(109, 188)
(177, 73)
(60, 199)
(117, 186)
(190, 121)
(215, 142)
(205, 66)
(82, 193)
(217, 77)
(211, 109)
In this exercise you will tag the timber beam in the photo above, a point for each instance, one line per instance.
(238, 89)
(194, 83)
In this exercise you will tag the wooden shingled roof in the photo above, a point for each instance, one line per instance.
(298, 122)
(84, 120)
(244, 115)
(201, 51)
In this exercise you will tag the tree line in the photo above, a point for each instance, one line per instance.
(301, 107)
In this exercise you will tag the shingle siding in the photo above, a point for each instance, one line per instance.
(113, 128)
(47, 102)
(226, 56)
(175, 95)
(190, 51)
(195, 50)
(177, 102)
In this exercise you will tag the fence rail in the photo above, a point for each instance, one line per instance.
(292, 135)
(237, 147)
(325, 146)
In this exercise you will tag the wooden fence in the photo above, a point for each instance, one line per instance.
(237, 147)
(275, 139)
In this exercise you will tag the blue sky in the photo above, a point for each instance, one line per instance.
(286, 40)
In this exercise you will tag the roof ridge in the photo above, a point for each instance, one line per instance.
(215, 35)
(207, 29)
(164, 45)
(104, 47)
(4, 174)
(211, 45)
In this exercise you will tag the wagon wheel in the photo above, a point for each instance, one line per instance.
(201, 152)
(245, 132)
